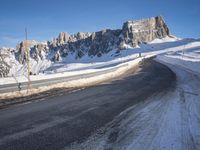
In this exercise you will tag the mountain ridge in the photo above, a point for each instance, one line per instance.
(94, 44)
(100, 42)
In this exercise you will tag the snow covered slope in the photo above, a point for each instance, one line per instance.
(157, 46)
(170, 46)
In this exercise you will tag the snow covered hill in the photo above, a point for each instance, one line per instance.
(168, 48)
(84, 47)
(86, 52)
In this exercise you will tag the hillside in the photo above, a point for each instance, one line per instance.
(81, 47)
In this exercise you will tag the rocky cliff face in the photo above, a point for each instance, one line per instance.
(135, 32)
(99, 43)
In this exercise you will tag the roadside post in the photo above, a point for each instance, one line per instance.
(19, 87)
(140, 54)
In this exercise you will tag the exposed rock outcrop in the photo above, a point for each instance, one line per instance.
(21, 48)
(135, 32)
(5, 61)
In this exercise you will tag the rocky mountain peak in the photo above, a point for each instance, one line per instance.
(63, 37)
(145, 30)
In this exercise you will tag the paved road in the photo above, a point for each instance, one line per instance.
(61, 121)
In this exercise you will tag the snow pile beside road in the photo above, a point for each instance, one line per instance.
(81, 82)
(188, 61)
(86, 68)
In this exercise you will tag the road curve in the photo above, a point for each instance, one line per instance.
(71, 118)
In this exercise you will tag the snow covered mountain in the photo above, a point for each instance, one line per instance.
(76, 46)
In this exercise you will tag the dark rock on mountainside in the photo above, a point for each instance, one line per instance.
(4, 64)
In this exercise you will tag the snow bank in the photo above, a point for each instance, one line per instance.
(189, 60)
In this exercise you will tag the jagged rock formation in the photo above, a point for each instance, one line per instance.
(136, 32)
(95, 43)
(101, 42)
(4, 68)
(22, 54)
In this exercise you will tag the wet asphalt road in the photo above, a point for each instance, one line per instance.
(72, 117)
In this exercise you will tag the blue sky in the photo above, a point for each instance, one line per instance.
(45, 19)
